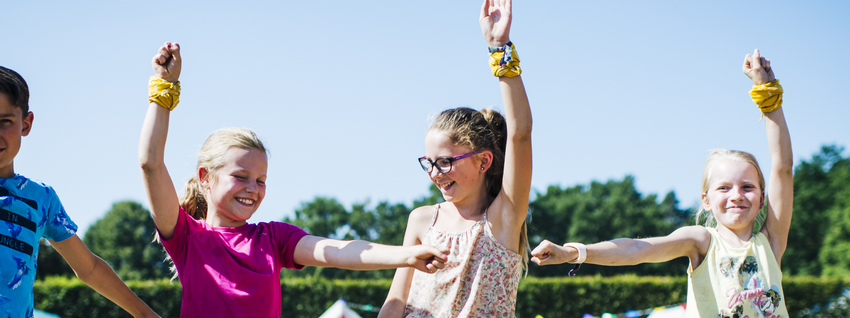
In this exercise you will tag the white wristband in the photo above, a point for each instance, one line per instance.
(582, 252)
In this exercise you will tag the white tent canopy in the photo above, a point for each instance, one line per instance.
(339, 310)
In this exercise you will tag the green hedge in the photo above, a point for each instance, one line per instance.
(549, 297)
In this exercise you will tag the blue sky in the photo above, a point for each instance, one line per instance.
(341, 91)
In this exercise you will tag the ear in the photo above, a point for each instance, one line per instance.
(705, 204)
(485, 161)
(27, 124)
(761, 206)
(203, 177)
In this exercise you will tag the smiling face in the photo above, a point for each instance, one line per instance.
(235, 190)
(466, 178)
(734, 195)
(13, 126)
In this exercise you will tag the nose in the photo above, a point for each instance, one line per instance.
(737, 194)
(435, 172)
(252, 187)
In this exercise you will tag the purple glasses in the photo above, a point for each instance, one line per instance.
(443, 164)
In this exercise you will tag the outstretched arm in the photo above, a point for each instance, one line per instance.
(362, 255)
(780, 188)
(690, 241)
(160, 189)
(93, 271)
(495, 20)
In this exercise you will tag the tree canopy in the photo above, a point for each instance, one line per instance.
(124, 239)
(604, 211)
(819, 239)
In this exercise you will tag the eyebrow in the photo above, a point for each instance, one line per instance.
(8, 115)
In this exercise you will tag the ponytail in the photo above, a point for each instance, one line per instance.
(193, 200)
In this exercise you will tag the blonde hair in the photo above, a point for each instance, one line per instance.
(479, 131)
(212, 158)
(713, 157)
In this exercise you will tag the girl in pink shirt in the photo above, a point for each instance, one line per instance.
(227, 266)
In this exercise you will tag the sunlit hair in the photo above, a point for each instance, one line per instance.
(715, 156)
(212, 158)
(15, 88)
(479, 131)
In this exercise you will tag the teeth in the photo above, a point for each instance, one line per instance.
(445, 185)
(246, 201)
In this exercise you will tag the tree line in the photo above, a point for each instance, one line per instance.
(818, 244)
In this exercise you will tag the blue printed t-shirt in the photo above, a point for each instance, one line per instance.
(29, 210)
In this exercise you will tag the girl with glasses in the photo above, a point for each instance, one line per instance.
(734, 269)
(227, 266)
(481, 162)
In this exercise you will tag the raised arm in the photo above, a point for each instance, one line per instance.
(495, 20)
(690, 241)
(780, 187)
(94, 271)
(160, 189)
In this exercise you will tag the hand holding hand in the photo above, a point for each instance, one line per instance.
(495, 20)
(427, 258)
(758, 68)
(548, 253)
(167, 62)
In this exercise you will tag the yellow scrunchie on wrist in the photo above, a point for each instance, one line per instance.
(164, 93)
(505, 65)
(768, 96)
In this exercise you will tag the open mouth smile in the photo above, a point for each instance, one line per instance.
(446, 185)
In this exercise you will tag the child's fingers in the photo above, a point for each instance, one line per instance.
(747, 64)
(541, 248)
(431, 268)
(175, 50)
(484, 10)
(439, 265)
(164, 51)
(756, 63)
(439, 255)
(541, 261)
(158, 59)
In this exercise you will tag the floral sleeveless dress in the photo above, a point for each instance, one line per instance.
(480, 278)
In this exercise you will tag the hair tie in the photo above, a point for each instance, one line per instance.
(164, 93)
(504, 60)
(767, 96)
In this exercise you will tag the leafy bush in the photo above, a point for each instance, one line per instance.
(549, 297)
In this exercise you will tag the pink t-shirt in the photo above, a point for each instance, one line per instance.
(231, 271)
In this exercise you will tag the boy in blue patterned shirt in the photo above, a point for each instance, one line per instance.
(31, 210)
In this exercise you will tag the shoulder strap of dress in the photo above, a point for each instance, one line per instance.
(434, 218)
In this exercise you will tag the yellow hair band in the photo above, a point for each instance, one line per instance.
(164, 93)
(504, 61)
(768, 96)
